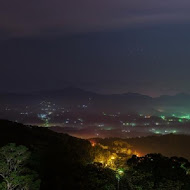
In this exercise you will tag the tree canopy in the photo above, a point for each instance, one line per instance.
(13, 171)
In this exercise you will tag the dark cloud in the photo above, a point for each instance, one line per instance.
(106, 46)
(64, 16)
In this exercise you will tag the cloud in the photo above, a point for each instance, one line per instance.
(72, 16)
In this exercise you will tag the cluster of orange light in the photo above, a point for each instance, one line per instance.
(93, 143)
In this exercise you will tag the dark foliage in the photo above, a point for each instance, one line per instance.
(59, 159)
(155, 171)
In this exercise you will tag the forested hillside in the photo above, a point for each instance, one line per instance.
(61, 161)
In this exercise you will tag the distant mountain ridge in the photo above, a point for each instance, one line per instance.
(76, 91)
(125, 102)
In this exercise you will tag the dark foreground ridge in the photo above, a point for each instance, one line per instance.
(58, 158)
(68, 163)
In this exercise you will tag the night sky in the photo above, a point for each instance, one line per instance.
(107, 46)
